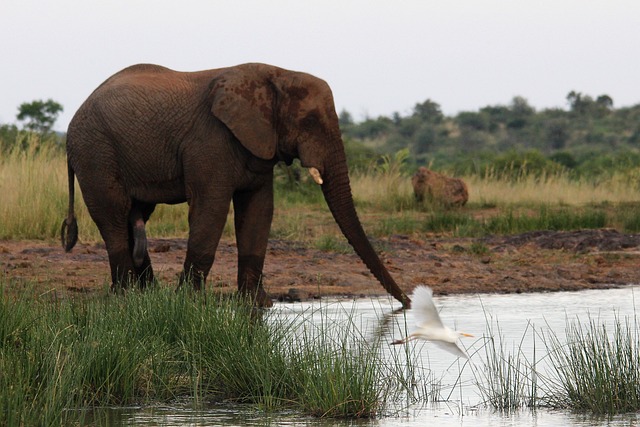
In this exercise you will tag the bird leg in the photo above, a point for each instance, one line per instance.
(405, 340)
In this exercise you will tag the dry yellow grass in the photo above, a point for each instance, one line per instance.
(553, 190)
(33, 188)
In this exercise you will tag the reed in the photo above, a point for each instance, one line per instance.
(593, 369)
(598, 369)
(506, 380)
(340, 374)
(60, 357)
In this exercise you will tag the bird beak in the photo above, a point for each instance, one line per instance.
(464, 334)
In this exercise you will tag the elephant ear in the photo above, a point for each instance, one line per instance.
(243, 99)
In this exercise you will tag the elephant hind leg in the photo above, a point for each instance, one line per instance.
(138, 245)
(109, 209)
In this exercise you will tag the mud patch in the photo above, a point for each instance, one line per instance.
(538, 261)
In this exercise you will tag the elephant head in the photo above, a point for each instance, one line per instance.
(278, 114)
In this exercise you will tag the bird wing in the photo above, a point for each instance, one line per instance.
(451, 347)
(424, 309)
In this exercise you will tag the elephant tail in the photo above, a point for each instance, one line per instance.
(69, 230)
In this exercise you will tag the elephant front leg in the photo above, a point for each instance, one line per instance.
(207, 217)
(253, 215)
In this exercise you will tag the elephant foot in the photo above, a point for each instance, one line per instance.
(259, 297)
(262, 299)
(192, 279)
(146, 279)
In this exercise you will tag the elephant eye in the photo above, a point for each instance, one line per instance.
(310, 121)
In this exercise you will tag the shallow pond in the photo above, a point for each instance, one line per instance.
(519, 320)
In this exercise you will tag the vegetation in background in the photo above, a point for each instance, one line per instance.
(33, 183)
(590, 139)
(553, 169)
(39, 116)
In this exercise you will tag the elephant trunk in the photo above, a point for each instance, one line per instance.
(337, 192)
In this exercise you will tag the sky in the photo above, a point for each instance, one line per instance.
(379, 57)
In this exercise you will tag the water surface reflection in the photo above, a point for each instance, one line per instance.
(519, 318)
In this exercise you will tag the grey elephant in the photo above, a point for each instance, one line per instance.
(150, 135)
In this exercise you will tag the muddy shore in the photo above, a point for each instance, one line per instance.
(541, 261)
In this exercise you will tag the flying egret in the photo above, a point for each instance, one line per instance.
(430, 326)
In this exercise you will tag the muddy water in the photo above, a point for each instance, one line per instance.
(518, 318)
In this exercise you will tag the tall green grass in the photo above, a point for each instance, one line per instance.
(510, 221)
(58, 357)
(507, 380)
(61, 357)
(597, 370)
(592, 369)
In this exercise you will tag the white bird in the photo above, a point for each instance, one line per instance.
(430, 326)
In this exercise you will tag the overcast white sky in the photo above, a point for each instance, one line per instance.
(379, 57)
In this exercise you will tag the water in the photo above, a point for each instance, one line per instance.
(518, 319)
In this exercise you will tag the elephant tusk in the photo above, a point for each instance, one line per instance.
(315, 174)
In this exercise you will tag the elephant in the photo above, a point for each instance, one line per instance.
(150, 135)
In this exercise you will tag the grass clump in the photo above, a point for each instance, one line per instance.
(58, 358)
(507, 381)
(546, 218)
(593, 369)
(340, 374)
(597, 370)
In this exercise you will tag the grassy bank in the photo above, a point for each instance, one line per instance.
(58, 357)
(33, 183)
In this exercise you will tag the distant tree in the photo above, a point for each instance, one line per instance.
(605, 102)
(409, 126)
(38, 115)
(519, 112)
(579, 103)
(428, 111)
(497, 115)
(371, 129)
(473, 120)
(345, 118)
(584, 105)
(425, 139)
(557, 133)
(8, 136)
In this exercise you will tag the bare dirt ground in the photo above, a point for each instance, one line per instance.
(531, 262)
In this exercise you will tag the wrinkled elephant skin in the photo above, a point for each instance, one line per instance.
(151, 135)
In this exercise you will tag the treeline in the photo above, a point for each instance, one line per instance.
(590, 138)
(12, 138)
